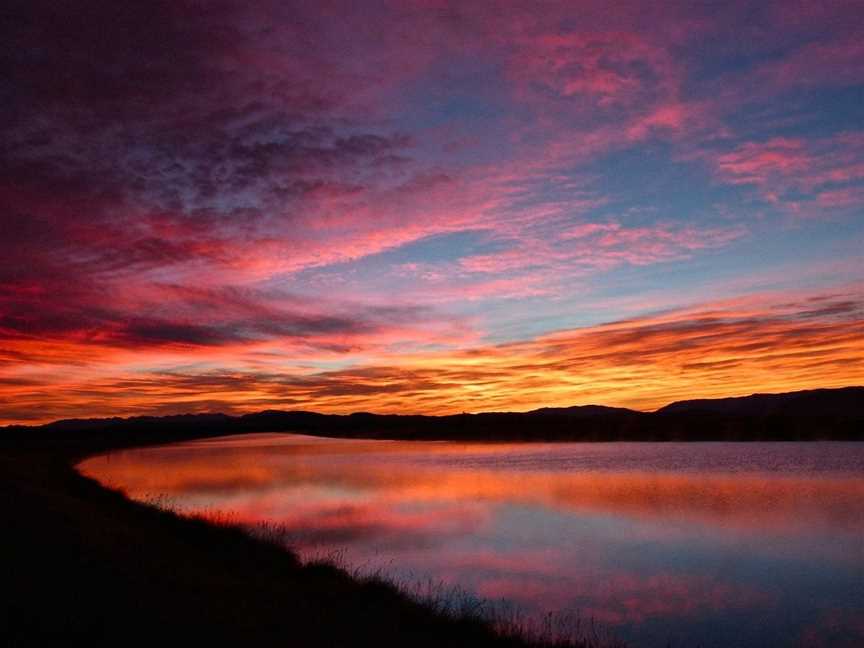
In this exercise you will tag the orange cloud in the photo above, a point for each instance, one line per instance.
(760, 343)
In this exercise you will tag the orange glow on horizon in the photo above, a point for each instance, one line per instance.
(734, 347)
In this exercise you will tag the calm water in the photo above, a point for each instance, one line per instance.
(717, 544)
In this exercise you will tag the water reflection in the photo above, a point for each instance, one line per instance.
(711, 544)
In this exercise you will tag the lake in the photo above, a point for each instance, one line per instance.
(702, 544)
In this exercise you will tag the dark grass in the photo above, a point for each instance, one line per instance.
(84, 565)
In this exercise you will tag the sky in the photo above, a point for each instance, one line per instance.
(426, 206)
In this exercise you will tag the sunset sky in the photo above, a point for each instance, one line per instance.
(426, 206)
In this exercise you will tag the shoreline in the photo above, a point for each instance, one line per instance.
(85, 563)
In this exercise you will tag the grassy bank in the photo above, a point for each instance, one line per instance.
(83, 564)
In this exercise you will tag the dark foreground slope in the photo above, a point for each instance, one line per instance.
(820, 414)
(82, 565)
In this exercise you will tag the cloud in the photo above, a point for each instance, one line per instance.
(763, 342)
(806, 177)
(246, 189)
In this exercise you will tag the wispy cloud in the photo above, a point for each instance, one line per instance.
(262, 192)
(759, 343)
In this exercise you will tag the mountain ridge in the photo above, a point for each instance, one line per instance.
(816, 414)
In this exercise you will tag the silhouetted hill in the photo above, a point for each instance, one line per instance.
(796, 416)
(584, 411)
(846, 401)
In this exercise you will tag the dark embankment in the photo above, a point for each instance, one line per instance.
(82, 565)
(820, 414)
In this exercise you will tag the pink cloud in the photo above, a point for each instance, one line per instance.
(768, 342)
(804, 176)
(187, 186)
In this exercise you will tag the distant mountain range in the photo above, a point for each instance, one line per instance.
(818, 414)
(820, 402)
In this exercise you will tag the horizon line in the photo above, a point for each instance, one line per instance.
(359, 412)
